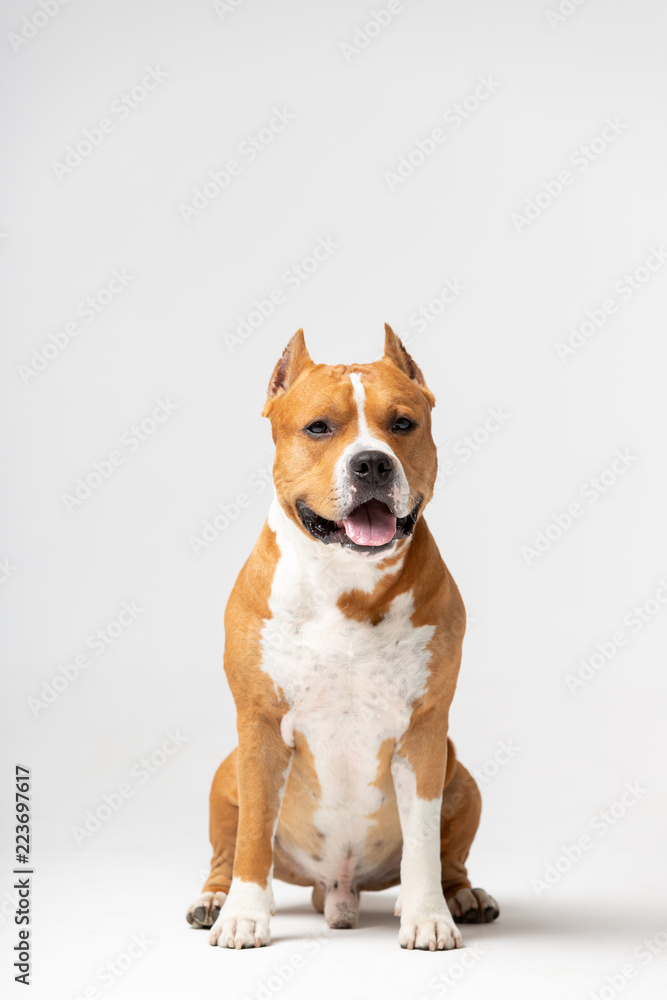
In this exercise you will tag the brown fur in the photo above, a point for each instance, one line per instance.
(245, 794)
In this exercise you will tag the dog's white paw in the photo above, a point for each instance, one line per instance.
(203, 912)
(434, 930)
(240, 930)
(243, 922)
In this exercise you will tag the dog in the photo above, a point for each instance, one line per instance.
(342, 651)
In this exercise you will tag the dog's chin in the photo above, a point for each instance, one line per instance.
(370, 523)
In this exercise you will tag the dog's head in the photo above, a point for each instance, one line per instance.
(355, 461)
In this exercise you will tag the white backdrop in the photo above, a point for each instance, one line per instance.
(188, 183)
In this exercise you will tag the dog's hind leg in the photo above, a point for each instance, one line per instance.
(461, 807)
(223, 821)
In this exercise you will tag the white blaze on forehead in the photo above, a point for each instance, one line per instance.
(360, 400)
(365, 441)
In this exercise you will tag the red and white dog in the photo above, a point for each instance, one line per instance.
(343, 645)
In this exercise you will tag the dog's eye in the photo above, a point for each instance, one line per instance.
(318, 427)
(402, 425)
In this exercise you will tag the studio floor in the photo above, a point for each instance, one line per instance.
(110, 923)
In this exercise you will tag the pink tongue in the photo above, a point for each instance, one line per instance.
(370, 524)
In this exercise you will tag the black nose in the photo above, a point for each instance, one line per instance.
(372, 466)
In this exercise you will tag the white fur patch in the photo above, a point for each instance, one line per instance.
(360, 400)
(243, 921)
(350, 685)
(425, 918)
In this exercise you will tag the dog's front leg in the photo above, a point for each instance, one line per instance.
(418, 770)
(263, 767)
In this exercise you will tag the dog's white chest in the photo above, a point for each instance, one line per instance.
(344, 679)
(350, 685)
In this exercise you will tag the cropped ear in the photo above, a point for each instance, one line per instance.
(394, 351)
(294, 360)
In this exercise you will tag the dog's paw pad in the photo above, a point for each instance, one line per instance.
(204, 911)
(473, 906)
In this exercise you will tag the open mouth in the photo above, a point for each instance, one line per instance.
(370, 527)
